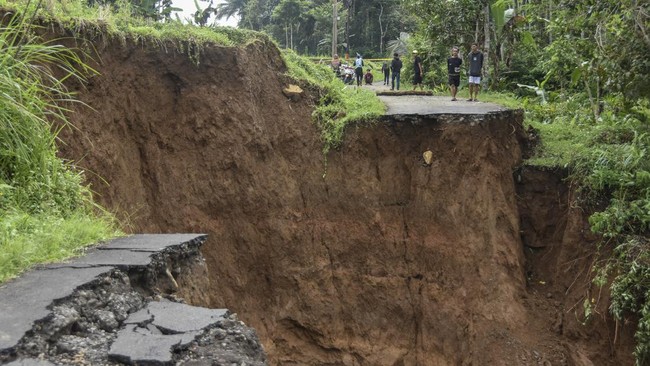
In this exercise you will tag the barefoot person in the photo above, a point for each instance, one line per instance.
(475, 72)
(453, 69)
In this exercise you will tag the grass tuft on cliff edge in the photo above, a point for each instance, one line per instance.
(339, 105)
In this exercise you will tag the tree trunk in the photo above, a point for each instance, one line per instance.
(335, 30)
(347, 35)
(486, 45)
(382, 32)
(286, 36)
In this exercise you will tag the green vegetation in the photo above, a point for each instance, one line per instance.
(122, 20)
(608, 160)
(305, 26)
(45, 212)
(339, 105)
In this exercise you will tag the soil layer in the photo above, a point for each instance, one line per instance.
(366, 256)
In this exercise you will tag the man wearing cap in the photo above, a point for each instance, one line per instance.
(417, 70)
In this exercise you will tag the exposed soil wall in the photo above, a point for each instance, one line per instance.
(366, 256)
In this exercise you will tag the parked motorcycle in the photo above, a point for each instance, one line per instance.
(348, 75)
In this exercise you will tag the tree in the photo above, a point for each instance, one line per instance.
(289, 12)
(230, 8)
(369, 24)
(201, 16)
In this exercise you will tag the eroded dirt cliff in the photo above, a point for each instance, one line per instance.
(366, 256)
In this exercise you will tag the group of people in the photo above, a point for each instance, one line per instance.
(475, 72)
(453, 69)
(396, 69)
(358, 70)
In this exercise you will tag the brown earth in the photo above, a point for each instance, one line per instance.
(365, 256)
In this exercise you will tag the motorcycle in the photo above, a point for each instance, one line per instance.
(348, 75)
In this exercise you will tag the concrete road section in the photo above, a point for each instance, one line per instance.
(432, 105)
(427, 105)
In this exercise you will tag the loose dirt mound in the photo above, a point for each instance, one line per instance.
(365, 257)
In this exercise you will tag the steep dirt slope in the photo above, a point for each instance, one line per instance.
(364, 257)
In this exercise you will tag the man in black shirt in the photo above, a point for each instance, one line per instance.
(453, 69)
(396, 68)
(475, 72)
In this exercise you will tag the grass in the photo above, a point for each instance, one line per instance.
(119, 21)
(608, 161)
(27, 239)
(339, 105)
(46, 212)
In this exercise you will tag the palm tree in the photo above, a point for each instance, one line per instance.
(399, 45)
(230, 8)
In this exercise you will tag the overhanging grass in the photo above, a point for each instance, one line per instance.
(117, 21)
(339, 105)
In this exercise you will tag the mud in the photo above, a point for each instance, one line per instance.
(366, 256)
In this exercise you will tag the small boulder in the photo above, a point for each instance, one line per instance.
(428, 157)
(293, 92)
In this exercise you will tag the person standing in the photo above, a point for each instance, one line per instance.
(418, 72)
(396, 68)
(453, 69)
(385, 69)
(358, 64)
(475, 72)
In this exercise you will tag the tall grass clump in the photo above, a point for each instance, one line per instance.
(339, 105)
(46, 213)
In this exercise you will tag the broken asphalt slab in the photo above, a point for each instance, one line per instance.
(152, 333)
(26, 299)
(174, 317)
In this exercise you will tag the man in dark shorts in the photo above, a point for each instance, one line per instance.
(417, 70)
(358, 69)
(453, 69)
